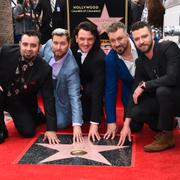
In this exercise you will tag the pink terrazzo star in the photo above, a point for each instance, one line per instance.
(92, 151)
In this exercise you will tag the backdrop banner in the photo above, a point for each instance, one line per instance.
(100, 12)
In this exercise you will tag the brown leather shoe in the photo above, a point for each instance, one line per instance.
(158, 135)
(163, 141)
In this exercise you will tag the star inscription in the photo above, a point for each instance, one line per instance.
(104, 20)
(92, 151)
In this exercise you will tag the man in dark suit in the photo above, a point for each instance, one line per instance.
(90, 58)
(54, 15)
(156, 96)
(22, 75)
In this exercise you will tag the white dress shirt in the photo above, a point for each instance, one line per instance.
(83, 55)
(56, 65)
(131, 64)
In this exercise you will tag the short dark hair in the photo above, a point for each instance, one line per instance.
(140, 24)
(87, 26)
(32, 33)
(115, 26)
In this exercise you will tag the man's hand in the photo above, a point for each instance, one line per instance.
(111, 131)
(125, 132)
(137, 93)
(93, 132)
(51, 137)
(77, 134)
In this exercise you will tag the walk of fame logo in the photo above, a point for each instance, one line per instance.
(103, 152)
(104, 21)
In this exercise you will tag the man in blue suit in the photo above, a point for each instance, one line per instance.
(119, 65)
(66, 81)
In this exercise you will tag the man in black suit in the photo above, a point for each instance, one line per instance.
(22, 75)
(156, 96)
(90, 58)
(54, 15)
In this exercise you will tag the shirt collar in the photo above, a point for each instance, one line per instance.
(59, 61)
(83, 55)
(133, 51)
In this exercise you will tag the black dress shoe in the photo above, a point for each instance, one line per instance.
(3, 135)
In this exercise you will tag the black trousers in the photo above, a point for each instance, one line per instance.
(89, 113)
(135, 126)
(158, 108)
(24, 118)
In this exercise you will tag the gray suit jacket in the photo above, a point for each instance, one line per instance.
(67, 90)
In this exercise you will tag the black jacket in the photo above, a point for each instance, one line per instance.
(92, 78)
(39, 80)
(162, 70)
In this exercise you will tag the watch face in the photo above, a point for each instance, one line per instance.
(142, 85)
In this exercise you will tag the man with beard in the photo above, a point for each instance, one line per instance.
(120, 65)
(156, 89)
(66, 81)
(22, 75)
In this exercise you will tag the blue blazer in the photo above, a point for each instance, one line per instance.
(67, 90)
(115, 69)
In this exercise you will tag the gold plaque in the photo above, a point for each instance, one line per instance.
(78, 152)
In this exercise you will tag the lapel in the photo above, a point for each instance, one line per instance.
(49, 59)
(14, 62)
(36, 67)
(78, 58)
(87, 59)
(152, 66)
(126, 72)
(49, 5)
(62, 70)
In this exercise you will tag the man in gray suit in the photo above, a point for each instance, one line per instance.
(66, 81)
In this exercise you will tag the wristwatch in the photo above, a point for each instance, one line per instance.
(142, 85)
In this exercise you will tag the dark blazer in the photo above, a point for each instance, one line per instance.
(92, 78)
(162, 70)
(40, 79)
(115, 70)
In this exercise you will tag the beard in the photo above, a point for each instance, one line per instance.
(147, 47)
(28, 57)
(58, 55)
(121, 49)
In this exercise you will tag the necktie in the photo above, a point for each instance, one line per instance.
(53, 3)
